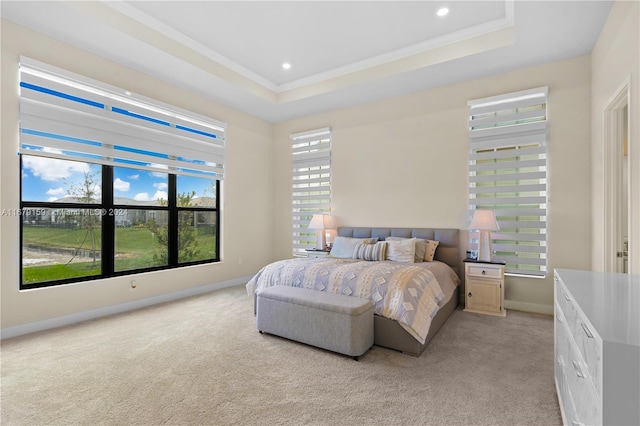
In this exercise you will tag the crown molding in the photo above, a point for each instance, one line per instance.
(416, 49)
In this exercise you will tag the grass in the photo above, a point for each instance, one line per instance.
(135, 248)
(36, 274)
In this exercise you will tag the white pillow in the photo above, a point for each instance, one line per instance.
(402, 250)
(343, 246)
(421, 247)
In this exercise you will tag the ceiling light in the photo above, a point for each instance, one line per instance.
(443, 11)
(286, 65)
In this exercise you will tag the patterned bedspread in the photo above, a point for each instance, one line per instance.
(405, 292)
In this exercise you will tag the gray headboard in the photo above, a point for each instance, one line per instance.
(448, 250)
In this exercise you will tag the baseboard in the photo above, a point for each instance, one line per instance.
(529, 307)
(47, 324)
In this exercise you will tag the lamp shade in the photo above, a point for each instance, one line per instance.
(321, 221)
(484, 220)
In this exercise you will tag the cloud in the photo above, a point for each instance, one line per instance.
(142, 196)
(53, 169)
(159, 174)
(120, 185)
(57, 191)
(50, 199)
(160, 185)
(160, 194)
(134, 177)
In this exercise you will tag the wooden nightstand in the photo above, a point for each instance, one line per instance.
(317, 253)
(484, 291)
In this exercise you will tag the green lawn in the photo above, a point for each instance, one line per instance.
(135, 249)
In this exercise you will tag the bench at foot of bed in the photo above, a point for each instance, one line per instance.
(335, 322)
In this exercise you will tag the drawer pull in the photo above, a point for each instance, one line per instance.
(586, 330)
(578, 370)
(577, 423)
(567, 298)
(484, 272)
(470, 295)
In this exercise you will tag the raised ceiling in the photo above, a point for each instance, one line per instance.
(342, 53)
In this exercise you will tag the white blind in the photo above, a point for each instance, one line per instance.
(508, 174)
(311, 183)
(67, 116)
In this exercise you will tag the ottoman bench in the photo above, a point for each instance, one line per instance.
(335, 322)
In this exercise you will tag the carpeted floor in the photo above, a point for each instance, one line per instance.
(201, 361)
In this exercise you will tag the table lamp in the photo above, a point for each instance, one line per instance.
(485, 222)
(320, 222)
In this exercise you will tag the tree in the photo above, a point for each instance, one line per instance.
(87, 192)
(187, 233)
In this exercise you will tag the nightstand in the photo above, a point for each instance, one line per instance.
(484, 282)
(317, 253)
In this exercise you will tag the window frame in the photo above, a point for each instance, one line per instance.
(510, 131)
(108, 229)
(310, 165)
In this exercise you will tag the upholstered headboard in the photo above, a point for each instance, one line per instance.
(448, 250)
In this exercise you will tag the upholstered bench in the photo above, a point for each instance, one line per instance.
(335, 322)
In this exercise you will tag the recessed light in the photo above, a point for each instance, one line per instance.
(443, 11)
(286, 65)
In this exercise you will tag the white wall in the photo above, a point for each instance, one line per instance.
(247, 199)
(615, 59)
(402, 162)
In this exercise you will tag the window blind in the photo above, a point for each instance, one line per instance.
(311, 183)
(67, 116)
(508, 174)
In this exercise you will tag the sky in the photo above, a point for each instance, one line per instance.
(49, 179)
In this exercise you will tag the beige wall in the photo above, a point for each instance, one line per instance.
(246, 232)
(402, 162)
(398, 162)
(615, 60)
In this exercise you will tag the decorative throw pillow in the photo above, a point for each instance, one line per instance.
(421, 247)
(402, 250)
(432, 245)
(343, 246)
(377, 251)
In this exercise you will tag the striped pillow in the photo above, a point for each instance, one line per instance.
(377, 251)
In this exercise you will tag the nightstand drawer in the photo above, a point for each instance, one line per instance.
(486, 271)
(317, 253)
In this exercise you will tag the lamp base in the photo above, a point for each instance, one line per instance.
(321, 241)
(484, 247)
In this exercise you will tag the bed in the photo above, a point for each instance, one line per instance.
(416, 298)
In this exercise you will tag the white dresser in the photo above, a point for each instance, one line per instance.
(597, 347)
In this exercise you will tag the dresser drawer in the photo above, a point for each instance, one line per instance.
(589, 344)
(588, 409)
(486, 271)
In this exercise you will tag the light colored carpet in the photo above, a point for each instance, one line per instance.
(201, 361)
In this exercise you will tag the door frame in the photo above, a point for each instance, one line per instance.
(613, 136)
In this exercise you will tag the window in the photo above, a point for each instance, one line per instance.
(311, 183)
(112, 183)
(508, 173)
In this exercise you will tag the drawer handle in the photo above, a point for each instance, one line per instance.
(567, 298)
(578, 370)
(470, 294)
(577, 423)
(484, 272)
(586, 330)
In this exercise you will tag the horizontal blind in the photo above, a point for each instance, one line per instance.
(508, 174)
(311, 183)
(67, 116)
